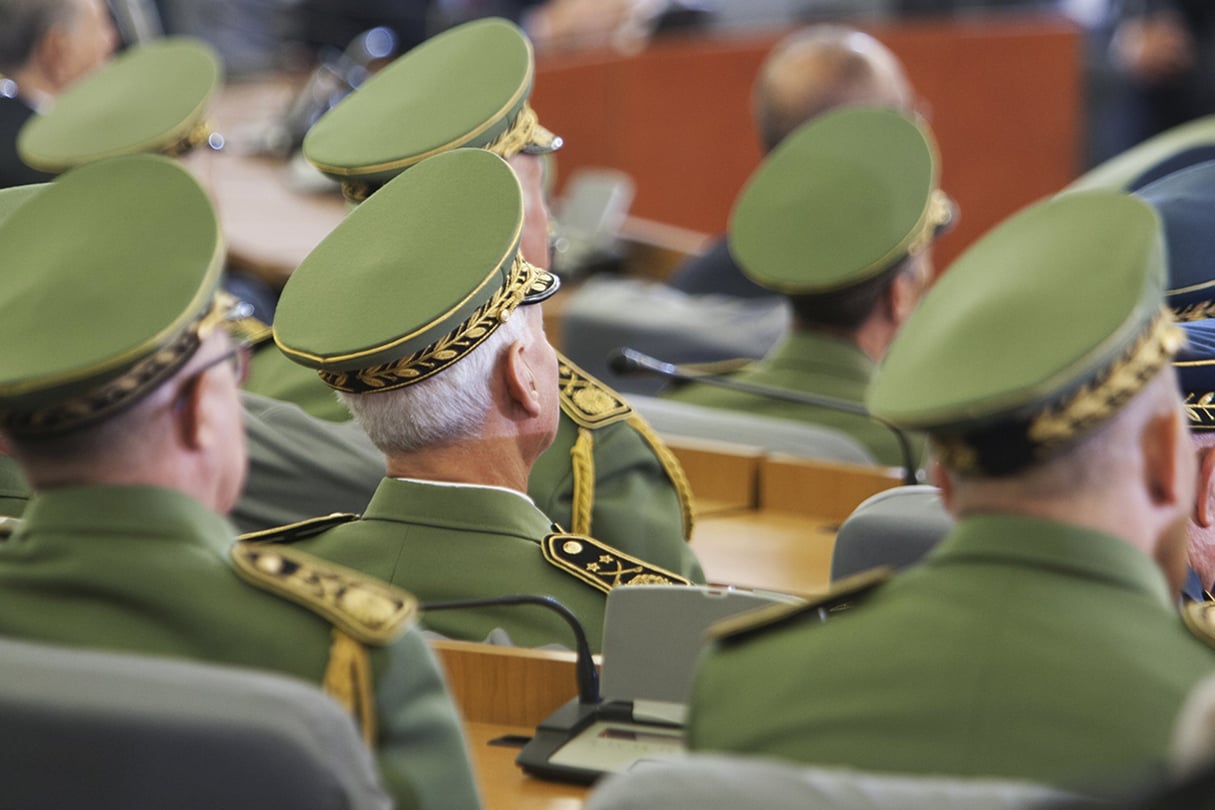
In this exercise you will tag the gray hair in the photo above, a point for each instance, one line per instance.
(26, 23)
(442, 409)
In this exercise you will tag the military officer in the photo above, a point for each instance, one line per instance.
(121, 408)
(1040, 640)
(606, 473)
(431, 332)
(840, 219)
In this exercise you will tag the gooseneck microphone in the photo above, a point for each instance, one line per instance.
(626, 361)
(584, 663)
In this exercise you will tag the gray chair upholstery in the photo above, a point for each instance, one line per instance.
(607, 313)
(896, 528)
(709, 782)
(670, 418)
(85, 729)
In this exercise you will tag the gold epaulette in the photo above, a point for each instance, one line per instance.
(368, 610)
(300, 530)
(840, 596)
(1199, 618)
(601, 566)
(586, 400)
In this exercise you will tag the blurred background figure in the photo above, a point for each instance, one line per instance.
(45, 46)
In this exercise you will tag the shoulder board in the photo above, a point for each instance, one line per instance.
(300, 530)
(367, 609)
(1199, 619)
(8, 526)
(250, 331)
(586, 400)
(717, 366)
(840, 596)
(601, 566)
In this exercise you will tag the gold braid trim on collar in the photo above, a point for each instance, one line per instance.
(470, 334)
(1096, 401)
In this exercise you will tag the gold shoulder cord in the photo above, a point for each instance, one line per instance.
(671, 466)
(364, 612)
(582, 462)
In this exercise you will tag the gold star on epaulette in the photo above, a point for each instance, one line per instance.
(1199, 618)
(586, 400)
(601, 566)
(300, 530)
(367, 609)
(840, 596)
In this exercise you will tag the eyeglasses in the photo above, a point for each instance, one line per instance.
(237, 356)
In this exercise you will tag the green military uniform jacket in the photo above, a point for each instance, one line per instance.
(1019, 648)
(447, 542)
(810, 363)
(147, 570)
(606, 473)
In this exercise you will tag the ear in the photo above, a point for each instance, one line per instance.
(904, 292)
(939, 476)
(1163, 441)
(1204, 501)
(520, 380)
(189, 412)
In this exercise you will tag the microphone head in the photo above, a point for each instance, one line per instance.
(624, 361)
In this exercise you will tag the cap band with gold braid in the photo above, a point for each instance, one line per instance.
(1041, 331)
(467, 87)
(1195, 365)
(524, 278)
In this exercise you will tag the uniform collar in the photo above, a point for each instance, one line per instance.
(128, 512)
(1045, 544)
(495, 510)
(804, 350)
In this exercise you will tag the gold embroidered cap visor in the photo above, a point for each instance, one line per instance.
(151, 98)
(842, 199)
(467, 87)
(110, 274)
(1195, 365)
(414, 278)
(1039, 332)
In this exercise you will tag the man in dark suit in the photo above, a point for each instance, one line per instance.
(45, 45)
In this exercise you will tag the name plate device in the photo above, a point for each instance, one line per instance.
(652, 637)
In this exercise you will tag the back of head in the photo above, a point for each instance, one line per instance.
(85, 38)
(821, 68)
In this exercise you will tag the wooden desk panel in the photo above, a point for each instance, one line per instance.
(780, 551)
(821, 489)
(514, 686)
(723, 476)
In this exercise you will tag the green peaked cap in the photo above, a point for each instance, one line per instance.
(844, 198)
(14, 197)
(1040, 331)
(111, 272)
(1174, 149)
(151, 98)
(466, 87)
(414, 278)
